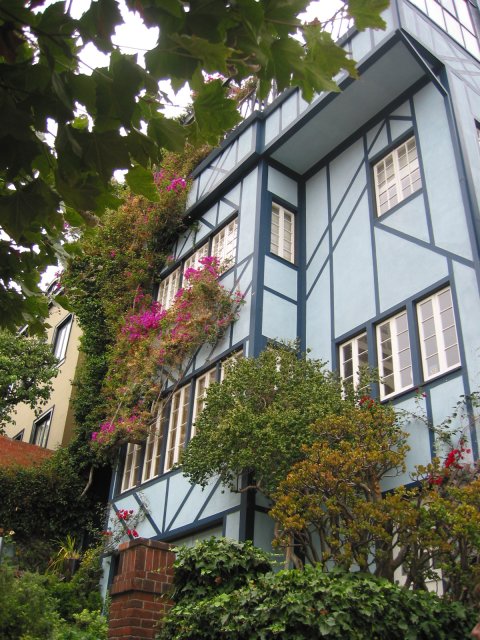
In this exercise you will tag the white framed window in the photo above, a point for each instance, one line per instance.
(282, 235)
(438, 334)
(153, 448)
(453, 16)
(224, 243)
(41, 429)
(201, 385)
(132, 466)
(394, 356)
(397, 176)
(177, 426)
(193, 262)
(477, 128)
(60, 338)
(353, 355)
(229, 362)
(168, 288)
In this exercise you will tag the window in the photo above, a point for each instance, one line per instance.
(201, 386)
(193, 262)
(224, 243)
(353, 355)
(477, 126)
(168, 288)
(132, 466)
(282, 236)
(177, 426)
(228, 363)
(153, 448)
(453, 16)
(438, 334)
(60, 338)
(394, 357)
(41, 429)
(396, 176)
(19, 435)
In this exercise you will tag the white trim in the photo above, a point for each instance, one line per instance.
(45, 421)
(193, 262)
(61, 336)
(397, 176)
(132, 466)
(224, 244)
(438, 334)
(168, 288)
(394, 355)
(201, 385)
(153, 448)
(177, 426)
(358, 357)
(282, 233)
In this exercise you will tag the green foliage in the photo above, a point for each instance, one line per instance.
(88, 625)
(260, 416)
(41, 82)
(214, 566)
(27, 368)
(299, 605)
(42, 504)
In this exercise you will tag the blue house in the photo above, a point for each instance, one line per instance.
(351, 223)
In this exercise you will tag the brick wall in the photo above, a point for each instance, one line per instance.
(138, 600)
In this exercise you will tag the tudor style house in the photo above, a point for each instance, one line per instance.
(55, 425)
(353, 225)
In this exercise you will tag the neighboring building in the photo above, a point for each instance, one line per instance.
(354, 225)
(14, 453)
(55, 424)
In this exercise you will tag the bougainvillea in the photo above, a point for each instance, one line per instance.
(155, 345)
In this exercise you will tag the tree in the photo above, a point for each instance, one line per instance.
(112, 119)
(27, 368)
(260, 416)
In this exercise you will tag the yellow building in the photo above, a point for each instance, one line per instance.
(55, 424)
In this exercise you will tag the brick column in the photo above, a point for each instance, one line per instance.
(137, 601)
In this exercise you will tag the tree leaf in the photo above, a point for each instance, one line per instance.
(140, 181)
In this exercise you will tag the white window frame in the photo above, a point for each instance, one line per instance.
(224, 244)
(396, 352)
(438, 334)
(193, 262)
(153, 448)
(201, 385)
(131, 467)
(231, 359)
(177, 426)
(60, 338)
(168, 288)
(44, 421)
(280, 244)
(395, 180)
(358, 359)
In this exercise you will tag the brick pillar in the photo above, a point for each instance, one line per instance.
(137, 601)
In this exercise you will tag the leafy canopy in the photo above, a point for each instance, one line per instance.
(27, 368)
(65, 131)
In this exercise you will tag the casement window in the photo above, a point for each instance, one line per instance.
(177, 426)
(396, 176)
(353, 356)
(132, 466)
(282, 236)
(201, 385)
(477, 127)
(453, 16)
(168, 288)
(41, 429)
(60, 338)
(153, 447)
(228, 363)
(193, 262)
(394, 356)
(224, 243)
(438, 334)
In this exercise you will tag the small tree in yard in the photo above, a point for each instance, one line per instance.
(27, 367)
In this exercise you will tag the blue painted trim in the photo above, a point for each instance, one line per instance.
(376, 137)
(290, 173)
(292, 265)
(302, 271)
(350, 216)
(425, 245)
(330, 261)
(371, 208)
(229, 203)
(147, 515)
(394, 118)
(414, 339)
(389, 131)
(180, 507)
(259, 261)
(238, 276)
(280, 295)
(201, 525)
(207, 500)
(393, 144)
(317, 247)
(167, 494)
(209, 225)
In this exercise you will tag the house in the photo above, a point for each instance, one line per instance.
(55, 424)
(353, 224)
